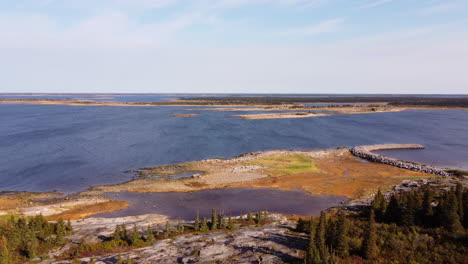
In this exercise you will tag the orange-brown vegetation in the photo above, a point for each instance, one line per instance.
(83, 211)
(343, 175)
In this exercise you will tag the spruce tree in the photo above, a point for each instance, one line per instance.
(5, 257)
(259, 218)
(214, 220)
(204, 225)
(249, 218)
(427, 214)
(379, 205)
(117, 235)
(312, 254)
(124, 232)
(222, 222)
(167, 232)
(29, 244)
(392, 214)
(134, 237)
(369, 245)
(60, 231)
(465, 209)
(230, 223)
(459, 196)
(341, 243)
(320, 236)
(149, 235)
(180, 227)
(408, 213)
(450, 217)
(197, 222)
(69, 227)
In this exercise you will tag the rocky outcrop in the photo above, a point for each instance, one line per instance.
(365, 152)
(272, 243)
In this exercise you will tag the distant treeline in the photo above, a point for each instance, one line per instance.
(392, 100)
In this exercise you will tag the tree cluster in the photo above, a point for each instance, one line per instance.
(423, 226)
(25, 238)
(426, 208)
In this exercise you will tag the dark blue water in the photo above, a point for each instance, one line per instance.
(69, 148)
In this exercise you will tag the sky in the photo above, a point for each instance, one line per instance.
(234, 46)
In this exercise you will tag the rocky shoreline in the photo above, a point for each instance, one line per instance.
(365, 152)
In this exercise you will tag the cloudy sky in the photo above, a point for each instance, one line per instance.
(234, 46)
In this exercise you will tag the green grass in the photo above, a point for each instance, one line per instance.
(286, 164)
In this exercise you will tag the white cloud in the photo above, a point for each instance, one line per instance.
(375, 3)
(111, 51)
(327, 26)
(438, 8)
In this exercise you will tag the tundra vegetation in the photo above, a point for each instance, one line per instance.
(421, 226)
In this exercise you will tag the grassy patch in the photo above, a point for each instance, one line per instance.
(279, 165)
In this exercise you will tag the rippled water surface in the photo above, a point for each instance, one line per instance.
(69, 148)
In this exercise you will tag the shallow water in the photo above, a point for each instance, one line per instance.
(233, 201)
(69, 148)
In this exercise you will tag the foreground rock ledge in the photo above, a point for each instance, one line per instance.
(271, 243)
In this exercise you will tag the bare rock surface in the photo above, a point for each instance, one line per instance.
(271, 243)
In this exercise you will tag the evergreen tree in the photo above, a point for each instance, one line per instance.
(408, 212)
(465, 209)
(69, 227)
(341, 243)
(117, 235)
(167, 232)
(427, 213)
(5, 257)
(214, 220)
(301, 225)
(320, 236)
(222, 221)
(29, 244)
(197, 222)
(392, 214)
(369, 245)
(379, 205)
(134, 237)
(180, 227)
(312, 254)
(450, 217)
(230, 223)
(249, 218)
(60, 231)
(459, 197)
(124, 232)
(204, 225)
(259, 218)
(149, 235)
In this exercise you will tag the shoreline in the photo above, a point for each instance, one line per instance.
(319, 172)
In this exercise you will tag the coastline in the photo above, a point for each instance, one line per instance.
(319, 172)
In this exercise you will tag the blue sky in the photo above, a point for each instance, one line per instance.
(243, 46)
